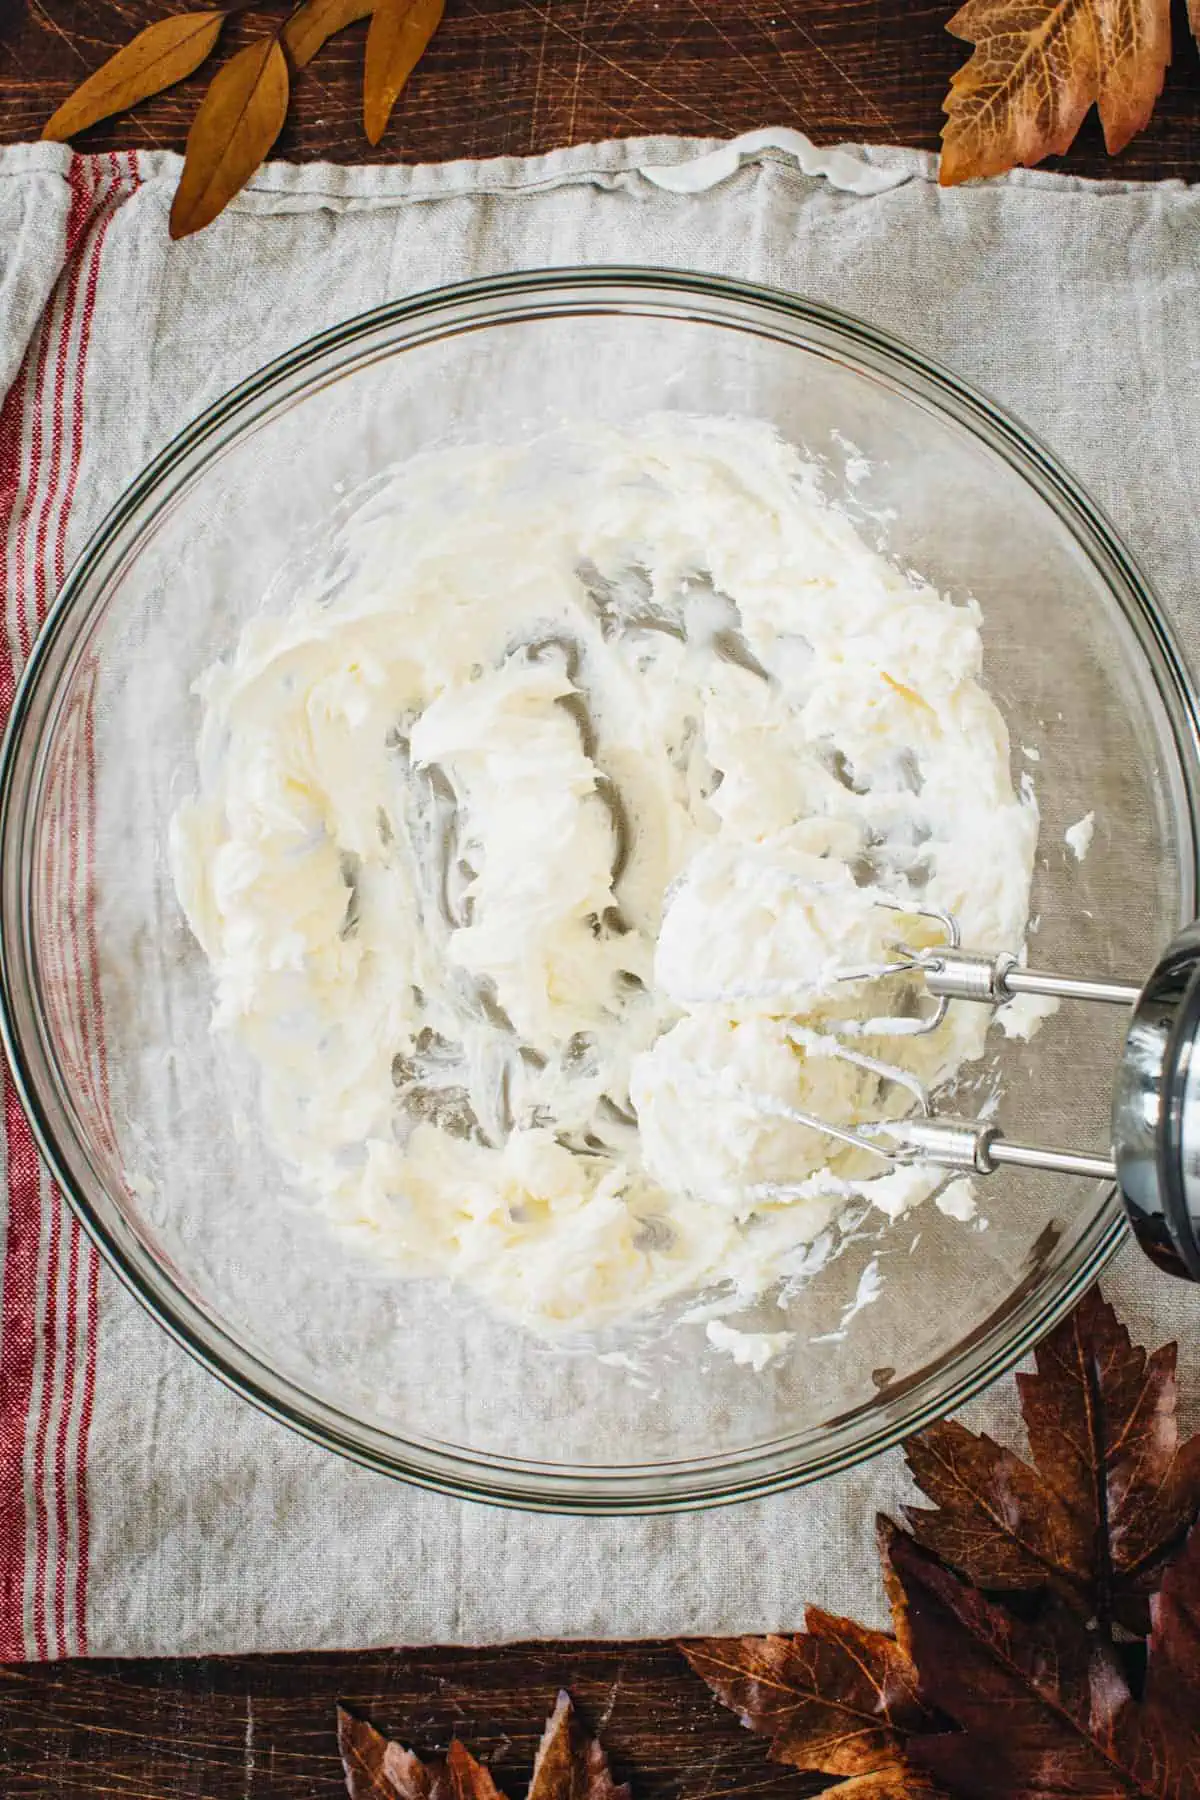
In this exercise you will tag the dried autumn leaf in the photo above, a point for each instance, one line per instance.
(997, 1520)
(400, 31)
(1167, 1751)
(1044, 1708)
(237, 122)
(569, 1765)
(379, 1769)
(1110, 1490)
(315, 22)
(836, 1699)
(1104, 1432)
(155, 59)
(1038, 66)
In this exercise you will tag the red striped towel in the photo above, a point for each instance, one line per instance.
(50, 1270)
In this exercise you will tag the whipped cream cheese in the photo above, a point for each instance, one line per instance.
(546, 856)
(1078, 837)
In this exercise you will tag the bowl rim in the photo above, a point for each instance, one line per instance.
(994, 1347)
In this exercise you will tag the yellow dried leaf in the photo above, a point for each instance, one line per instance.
(400, 31)
(155, 59)
(238, 121)
(313, 24)
(1037, 67)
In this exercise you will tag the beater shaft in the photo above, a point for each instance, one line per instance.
(954, 974)
(982, 1149)
(1058, 1162)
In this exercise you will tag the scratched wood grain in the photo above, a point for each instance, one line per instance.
(262, 1728)
(508, 77)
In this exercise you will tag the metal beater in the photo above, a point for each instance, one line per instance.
(1155, 1154)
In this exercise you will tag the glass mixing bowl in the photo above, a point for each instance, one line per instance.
(145, 1118)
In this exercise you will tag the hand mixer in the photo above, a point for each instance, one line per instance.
(1155, 1154)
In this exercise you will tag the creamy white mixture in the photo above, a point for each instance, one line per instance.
(748, 1349)
(532, 857)
(1078, 837)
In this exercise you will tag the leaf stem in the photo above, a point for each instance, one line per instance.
(1099, 1462)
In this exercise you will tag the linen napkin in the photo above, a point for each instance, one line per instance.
(143, 1508)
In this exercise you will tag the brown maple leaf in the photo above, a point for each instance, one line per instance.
(836, 1699)
(1110, 1490)
(1166, 1747)
(570, 1765)
(1044, 1708)
(1037, 68)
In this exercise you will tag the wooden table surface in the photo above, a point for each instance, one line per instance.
(503, 76)
(518, 76)
(263, 1728)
